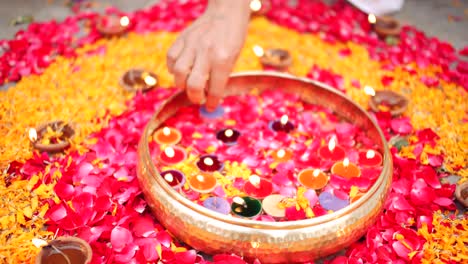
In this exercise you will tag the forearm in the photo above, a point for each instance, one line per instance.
(238, 8)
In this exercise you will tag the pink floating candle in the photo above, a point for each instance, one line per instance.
(370, 158)
(346, 169)
(258, 187)
(174, 178)
(332, 152)
(203, 183)
(172, 155)
(282, 155)
(313, 178)
(167, 136)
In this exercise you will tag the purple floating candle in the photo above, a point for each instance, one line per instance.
(330, 202)
(218, 112)
(217, 204)
(209, 163)
(174, 178)
(283, 125)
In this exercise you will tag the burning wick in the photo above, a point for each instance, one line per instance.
(166, 131)
(37, 242)
(150, 80)
(316, 173)
(369, 90)
(169, 152)
(370, 154)
(239, 201)
(124, 21)
(228, 133)
(372, 18)
(258, 51)
(32, 134)
(281, 153)
(208, 161)
(255, 5)
(200, 178)
(254, 180)
(331, 144)
(346, 162)
(168, 177)
(284, 120)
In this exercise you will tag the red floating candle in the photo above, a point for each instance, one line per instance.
(174, 178)
(112, 25)
(370, 158)
(203, 183)
(258, 187)
(332, 151)
(282, 155)
(313, 178)
(167, 136)
(346, 169)
(172, 155)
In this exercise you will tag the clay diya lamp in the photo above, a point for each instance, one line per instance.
(461, 193)
(279, 59)
(385, 26)
(52, 137)
(65, 250)
(138, 80)
(112, 25)
(388, 101)
(260, 7)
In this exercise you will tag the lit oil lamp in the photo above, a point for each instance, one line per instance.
(258, 187)
(217, 204)
(260, 7)
(203, 183)
(312, 178)
(174, 178)
(274, 205)
(51, 137)
(247, 207)
(65, 250)
(346, 169)
(112, 25)
(330, 202)
(385, 26)
(228, 136)
(138, 80)
(386, 101)
(370, 158)
(167, 136)
(278, 59)
(172, 155)
(461, 193)
(282, 125)
(282, 155)
(332, 152)
(209, 163)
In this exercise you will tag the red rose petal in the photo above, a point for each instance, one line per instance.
(187, 257)
(57, 213)
(120, 238)
(164, 238)
(442, 201)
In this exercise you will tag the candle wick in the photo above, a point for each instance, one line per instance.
(61, 253)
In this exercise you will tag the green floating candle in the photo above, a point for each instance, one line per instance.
(247, 207)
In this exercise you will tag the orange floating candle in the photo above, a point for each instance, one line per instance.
(167, 136)
(313, 178)
(346, 169)
(282, 155)
(203, 183)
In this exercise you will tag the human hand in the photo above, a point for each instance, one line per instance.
(204, 54)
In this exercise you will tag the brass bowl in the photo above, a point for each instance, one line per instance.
(270, 242)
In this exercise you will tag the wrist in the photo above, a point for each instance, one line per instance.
(229, 7)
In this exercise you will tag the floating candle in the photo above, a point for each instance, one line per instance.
(388, 101)
(65, 250)
(273, 205)
(167, 136)
(247, 207)
(258, 187)
(209, 163)
(330, 202)
(279, 59)
(217, 204)
(312, 178)
(203, 183)
(346, 169)
(332, 152)
(174, 178)
(283, 125)
(228, 136)
(282, 155)
(172, 155)
(217, 113)
(51, 137)
(138, 80)
(370, 158)
(112, 25)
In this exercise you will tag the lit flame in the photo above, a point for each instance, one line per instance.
(208, 161)
(281, 153)
(37, 242)
(32, 134)
(255, 5)
(372, 18)
(316, 172)
(238, 200)
(168, 177)
(369, 90)
(258, 51)
(346, 162)
(169, 152)
(370, 154)
(228, 133)
(200, 178)
(254, 180)
(124, 21)
(255, 244)
(331, 144)
(166, 131)
(284, 120)
(150, 80)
